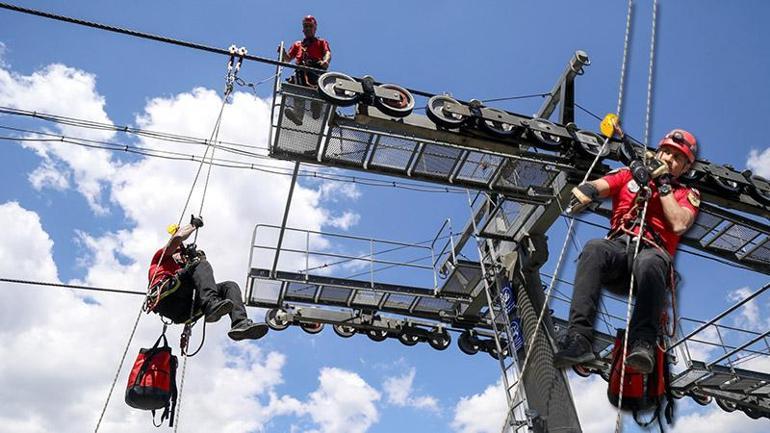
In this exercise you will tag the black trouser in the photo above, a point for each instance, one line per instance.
(605, 263)
(200, 277)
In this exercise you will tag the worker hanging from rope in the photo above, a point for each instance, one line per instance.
(183, 282)
(314, 52)
(671, 210)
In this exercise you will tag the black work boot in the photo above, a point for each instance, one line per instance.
(246, 329)
(574, 349)
(641, 357)
(216, 308)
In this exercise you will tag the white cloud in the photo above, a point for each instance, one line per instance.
(48, 330)
(61, 89)
(344, 221)
(343, 403)
(749, 312)
(399, 392)
(481, 413)
(715, 420)
(48, 175)
(759, 162)
(590, 396)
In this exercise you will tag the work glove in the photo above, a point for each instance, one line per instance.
(582, 196)
(196, 222)
(639, 172)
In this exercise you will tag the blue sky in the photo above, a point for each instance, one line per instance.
(710, 79)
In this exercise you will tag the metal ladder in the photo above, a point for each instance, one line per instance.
(516, 417)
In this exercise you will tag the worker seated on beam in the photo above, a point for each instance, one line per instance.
(609, 262)
(313, 52)
(183, 287)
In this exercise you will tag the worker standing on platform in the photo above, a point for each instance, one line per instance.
(179, 272)
(609, 262)
(314, 52)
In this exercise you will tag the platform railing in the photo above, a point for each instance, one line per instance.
(382, 254)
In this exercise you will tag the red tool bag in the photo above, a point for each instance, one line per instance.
(641, 392)
(152, 382)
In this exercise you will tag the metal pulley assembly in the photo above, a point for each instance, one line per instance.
(343, 90)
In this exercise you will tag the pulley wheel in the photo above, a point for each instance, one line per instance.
(493, 349)
(546, 141)
(760, 195)
(437, 114)
(752, 413)
(468, 343)
(497, 127)
(400, 108)
(408, 339)
(692, 176)
(377, 334)
(344, 331)
(276, 319)
(330, 92)
(591, 144)
(312, 328)
(727, 186)
(702, 400)
(726, 405)
(439, 340)
(581, 370)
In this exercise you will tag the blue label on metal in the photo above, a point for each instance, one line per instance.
(518, 337)
(506, 294)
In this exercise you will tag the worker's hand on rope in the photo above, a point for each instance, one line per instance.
(196, 222)
(582, 196)
(639, 172)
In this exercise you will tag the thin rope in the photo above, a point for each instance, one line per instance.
(120, 367)
(179, 396)
(618, 424)
(624, 62)
(155, 273)
(650, 73)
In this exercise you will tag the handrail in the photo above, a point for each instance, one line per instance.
(372, 257)
(721, 315)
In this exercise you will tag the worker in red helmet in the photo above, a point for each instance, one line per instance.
(609, 262)
(311, 51)
(182, 286)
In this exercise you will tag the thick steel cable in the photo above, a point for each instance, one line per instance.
(624, 62)
(650, 74)
(168, 40)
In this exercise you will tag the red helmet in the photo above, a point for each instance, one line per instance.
(310, 19)
(683, 141)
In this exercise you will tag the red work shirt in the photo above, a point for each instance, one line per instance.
(623, 191)
(309, 50)
(166, 268)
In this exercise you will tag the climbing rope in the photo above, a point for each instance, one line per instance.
(232, 70)
(640, 235)
(570, 226)
(650, 74)
(624, 62)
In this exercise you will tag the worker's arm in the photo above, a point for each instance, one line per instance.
(326, 59)
(180, 236)
(679, 218)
